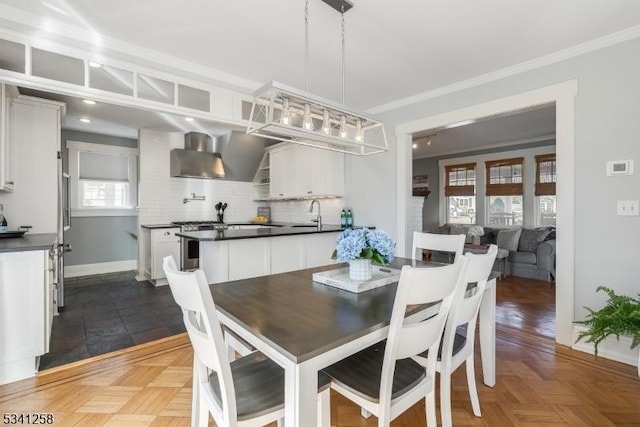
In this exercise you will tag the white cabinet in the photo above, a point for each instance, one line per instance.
(287, 254)
(283, 172)
(297, 172)
(24, 323)
(245, 258)
(6, 142)
(163, 242)
(248, 258)
(319, 249)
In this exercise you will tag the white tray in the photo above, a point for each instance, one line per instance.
(380, 276)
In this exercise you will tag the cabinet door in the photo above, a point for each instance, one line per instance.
(320, 172)
(164, 242)
(319, 248)
(282, 172)
(6, 142)
(248, 258)
(287, 253)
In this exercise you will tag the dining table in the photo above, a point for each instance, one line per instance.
(305, 326)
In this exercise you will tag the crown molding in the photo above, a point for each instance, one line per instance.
(101, 46)
(562, 55)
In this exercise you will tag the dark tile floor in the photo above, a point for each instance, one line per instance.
(110, 312)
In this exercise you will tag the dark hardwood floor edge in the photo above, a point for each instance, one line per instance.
(77, 370)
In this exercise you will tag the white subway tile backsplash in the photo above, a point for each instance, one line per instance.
(161, 196)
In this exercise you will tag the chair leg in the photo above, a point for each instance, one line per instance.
(195, 395)
(324, 408)
(430, 406)
(203, 414)
(445, 398)
(471, 383)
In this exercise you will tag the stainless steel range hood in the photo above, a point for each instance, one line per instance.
(195, 161)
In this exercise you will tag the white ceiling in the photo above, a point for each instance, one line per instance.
(394, 49)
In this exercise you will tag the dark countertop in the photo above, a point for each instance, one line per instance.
(155, 226)
(28, 242)
(213, 235)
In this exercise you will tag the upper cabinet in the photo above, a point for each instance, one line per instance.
(300, 172)
(6, 141)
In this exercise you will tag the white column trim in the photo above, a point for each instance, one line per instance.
(563, 95)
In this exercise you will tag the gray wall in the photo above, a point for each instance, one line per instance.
(98, 239)
(607, 108)
(429, 166)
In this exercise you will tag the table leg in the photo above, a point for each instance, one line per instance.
(300, 396)
(488, 333)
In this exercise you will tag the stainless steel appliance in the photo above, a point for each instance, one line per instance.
(189, 248)
(64, 223)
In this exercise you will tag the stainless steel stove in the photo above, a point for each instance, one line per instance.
(190, 249)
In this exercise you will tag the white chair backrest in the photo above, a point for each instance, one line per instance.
(438, 242)
(191, 292)
(466, 304)
(406, 339)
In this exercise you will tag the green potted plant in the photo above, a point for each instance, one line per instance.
(620, 316)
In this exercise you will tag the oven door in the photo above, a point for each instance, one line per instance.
(190, 254)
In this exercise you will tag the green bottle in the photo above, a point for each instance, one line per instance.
(343, 219)
(349, 219)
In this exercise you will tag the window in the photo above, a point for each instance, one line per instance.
(546, 189)
(103, 179)
(504, 191)
(460, 193)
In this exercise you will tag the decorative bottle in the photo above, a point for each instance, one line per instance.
(349, 219)
(3, 220)
(343, 219)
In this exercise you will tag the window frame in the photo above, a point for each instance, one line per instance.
(74, 150)
(466, 190)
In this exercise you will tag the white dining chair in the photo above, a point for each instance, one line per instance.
(246, 392)
(451, 243)
(383, 379)
(458, 347)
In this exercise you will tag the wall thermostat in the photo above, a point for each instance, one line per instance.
(619, 167)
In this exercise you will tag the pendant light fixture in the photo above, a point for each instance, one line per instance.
(286, 114)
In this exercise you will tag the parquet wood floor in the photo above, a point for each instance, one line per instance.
(539, 383)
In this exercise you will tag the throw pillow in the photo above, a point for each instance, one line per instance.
(457, 229)
(508, 239)
(528, 240)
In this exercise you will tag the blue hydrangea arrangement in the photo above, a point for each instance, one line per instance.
(362, 243)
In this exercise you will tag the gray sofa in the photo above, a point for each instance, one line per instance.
(535, 254)
(533, 261)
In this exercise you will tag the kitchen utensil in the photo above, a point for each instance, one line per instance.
(223, 207)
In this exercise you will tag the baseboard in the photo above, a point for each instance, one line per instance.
(610, 348)
(100, 268)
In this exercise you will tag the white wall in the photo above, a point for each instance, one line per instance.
(607, 246)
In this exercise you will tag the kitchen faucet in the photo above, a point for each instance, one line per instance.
(319, 217)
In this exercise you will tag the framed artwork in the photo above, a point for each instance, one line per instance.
(421, 186)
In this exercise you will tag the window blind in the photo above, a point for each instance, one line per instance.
(103, 167)
(460, 180)
(546, 175)
(504, 177)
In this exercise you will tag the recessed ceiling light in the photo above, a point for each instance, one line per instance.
(415, 145)
(94, 64)
(89, 101)
(188, 119)
(84, 120)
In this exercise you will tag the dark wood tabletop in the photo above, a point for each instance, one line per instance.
(303, 318)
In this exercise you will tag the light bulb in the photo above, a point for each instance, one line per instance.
(307, 123)
(285, 119)
(326, 124)
(343, 127)
(359, 131)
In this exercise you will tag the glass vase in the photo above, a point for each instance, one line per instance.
(360, 269)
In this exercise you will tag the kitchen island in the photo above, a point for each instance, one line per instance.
(240, 254)
(26, 303)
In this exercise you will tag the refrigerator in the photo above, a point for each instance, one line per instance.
(64, 224)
